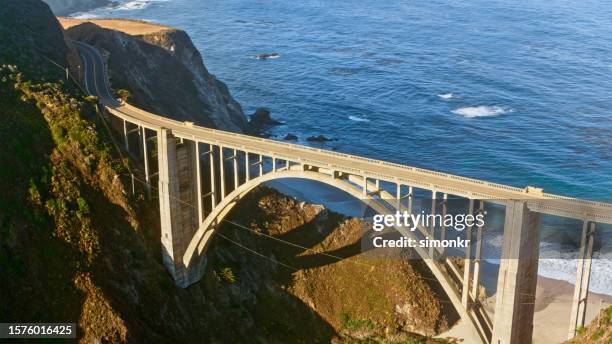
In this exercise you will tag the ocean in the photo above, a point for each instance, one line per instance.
(515, 92)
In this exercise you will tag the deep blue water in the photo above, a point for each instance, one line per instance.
(531, 81)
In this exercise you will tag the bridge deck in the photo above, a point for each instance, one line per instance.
(441, 182)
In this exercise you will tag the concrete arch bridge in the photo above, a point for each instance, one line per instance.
(214, 169)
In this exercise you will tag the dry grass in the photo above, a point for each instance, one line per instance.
(129, 26)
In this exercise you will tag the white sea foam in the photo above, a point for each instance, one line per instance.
(266, 56)
(84, 15)
(136, 4)
(481, 111)
(358, 119)
(120, 6)
(561, 265)
(446, 96)
(565, 269)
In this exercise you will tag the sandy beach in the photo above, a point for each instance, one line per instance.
(553, 307)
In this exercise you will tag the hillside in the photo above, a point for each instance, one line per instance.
(30, 33)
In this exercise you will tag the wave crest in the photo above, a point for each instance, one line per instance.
(358, 119)
(481, 111)
(136, 4)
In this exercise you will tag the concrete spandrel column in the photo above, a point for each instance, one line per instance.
(583, 274)
(518, 272)
(168, 200)
(145, 158)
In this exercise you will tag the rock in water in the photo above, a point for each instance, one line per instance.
(266, 56)
(319, 138)
(290, 137)
(260, 120)
(261, 117)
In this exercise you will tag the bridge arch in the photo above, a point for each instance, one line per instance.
(196, 250)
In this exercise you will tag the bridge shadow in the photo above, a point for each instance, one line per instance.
(254, 290)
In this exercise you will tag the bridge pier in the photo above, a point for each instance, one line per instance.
(583, 273)
(467, 263)
(145, 158)
(518, 272)
(178, 176)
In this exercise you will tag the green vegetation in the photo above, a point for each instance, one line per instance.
(227, 275)
(355, 324)
(123, 94)
(57, 169)
(599, 331)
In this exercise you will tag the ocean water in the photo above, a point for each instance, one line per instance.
(516, 92)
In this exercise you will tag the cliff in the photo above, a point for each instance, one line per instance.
(65, 7)
(29, 32)
(163, 67)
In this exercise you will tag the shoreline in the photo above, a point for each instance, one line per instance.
(552, 309)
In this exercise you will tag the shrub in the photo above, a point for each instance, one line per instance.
(227, 275)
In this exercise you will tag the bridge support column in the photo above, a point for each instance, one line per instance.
(213, 178)
(177, 197)
(235, 170)
(518, 272)
(145, 158)
(222, 172)
(581, 289)
(478, 254)
(126, 140)
(467, 263)
(442, 226)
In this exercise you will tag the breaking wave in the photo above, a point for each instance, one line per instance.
(358, 119)
(136, 4)
(481, 111)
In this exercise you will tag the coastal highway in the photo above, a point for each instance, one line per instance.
(96, 83)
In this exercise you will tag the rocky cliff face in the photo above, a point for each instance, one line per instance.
(65, 7)
(164, 68)
(30, 32)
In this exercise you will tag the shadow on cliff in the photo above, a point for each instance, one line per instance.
(254, 288)
(33, 261)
